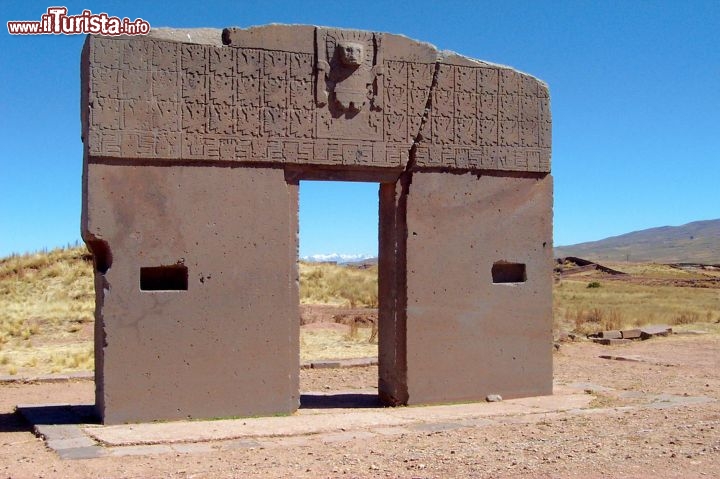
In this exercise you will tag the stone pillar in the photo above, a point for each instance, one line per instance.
(197, 311)
(392, 231)
(479, 298)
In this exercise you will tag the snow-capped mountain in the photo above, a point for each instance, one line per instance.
(337, 257)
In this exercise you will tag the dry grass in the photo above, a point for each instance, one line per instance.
(49, 359)
(47, 303)
(616, 304)
(322, 283)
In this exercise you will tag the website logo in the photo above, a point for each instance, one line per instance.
(57, 22)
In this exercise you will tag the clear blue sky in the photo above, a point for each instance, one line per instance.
(635, 91)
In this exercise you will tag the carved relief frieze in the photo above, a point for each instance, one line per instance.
(344, 104)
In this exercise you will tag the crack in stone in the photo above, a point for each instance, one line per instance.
(425, 118)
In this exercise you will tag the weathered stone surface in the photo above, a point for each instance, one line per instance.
(195, 143)
(610, 341)
(630, 358)
(610, 334)
(226, 345)
(630, 333)
(326, 364)
(458, 228)
(48, 378)
(283, 95)
(648, 332)
(90, 452)
(340, 363)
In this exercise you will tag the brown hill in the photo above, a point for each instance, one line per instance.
(696, 242)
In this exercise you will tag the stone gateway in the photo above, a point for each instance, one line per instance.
(194, 145)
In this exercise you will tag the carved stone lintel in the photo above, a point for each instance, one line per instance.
(152, 98)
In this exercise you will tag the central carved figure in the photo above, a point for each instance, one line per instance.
(352, 92)
(349, 71)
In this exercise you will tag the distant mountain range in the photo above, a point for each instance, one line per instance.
(696, 242)
(337, 258)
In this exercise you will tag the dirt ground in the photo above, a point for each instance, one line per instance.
(621, 437)
(328, 314)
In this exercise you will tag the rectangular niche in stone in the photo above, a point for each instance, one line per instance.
(506, 272)
(164, 278)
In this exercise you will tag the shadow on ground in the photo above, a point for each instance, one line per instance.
(13, 422)
(338, 401)
(61, 414)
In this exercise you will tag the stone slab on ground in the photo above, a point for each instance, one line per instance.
(339, 363)
(648, 332)
(89, 452)
(323, 364)
(72, 430)
(66, 428)
(610, 334)
(635, 358)
(610, 342)
(615, 357)
(49, 378)
(662, 401)
(631, 333)
(314, 421)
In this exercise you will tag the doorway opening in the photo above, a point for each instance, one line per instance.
(339, 300)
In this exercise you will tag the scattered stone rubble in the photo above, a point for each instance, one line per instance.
(626, 335)
(621, 336)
